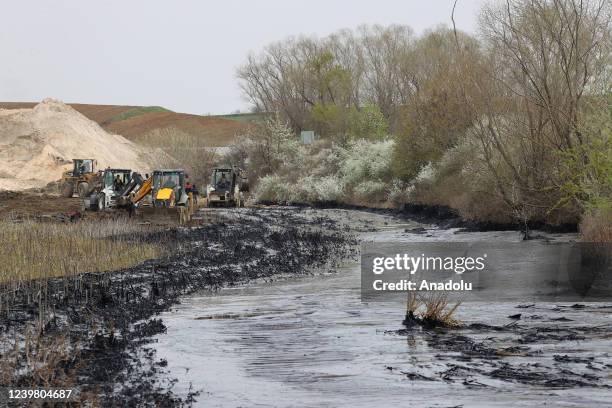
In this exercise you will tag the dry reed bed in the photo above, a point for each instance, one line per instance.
(35, 250)
(39, 257)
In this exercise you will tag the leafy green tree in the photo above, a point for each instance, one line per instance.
(350, 123)
(437, 116)
(368, 123)
(587, 168)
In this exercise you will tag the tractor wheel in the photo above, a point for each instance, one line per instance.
(83, 189)
(67, 190)
(101, 202)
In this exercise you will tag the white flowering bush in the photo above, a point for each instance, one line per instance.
(291, 173)
(370, 191)
(271, 189)
(366, 160)
(400, 191)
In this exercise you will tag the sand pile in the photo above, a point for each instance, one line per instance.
(37, 145)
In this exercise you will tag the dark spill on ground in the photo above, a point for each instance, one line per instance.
(108, 319)
(521, 351)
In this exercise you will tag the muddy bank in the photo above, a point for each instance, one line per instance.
(104, 322)
(446, 217)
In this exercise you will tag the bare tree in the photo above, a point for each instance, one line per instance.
(546, 59)
(345, 70)
(387, 54)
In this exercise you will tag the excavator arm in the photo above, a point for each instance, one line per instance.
(136, 189)
(142, 192)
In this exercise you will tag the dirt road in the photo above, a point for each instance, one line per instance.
(14, 205)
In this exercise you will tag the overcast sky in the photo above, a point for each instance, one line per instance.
(178, 54)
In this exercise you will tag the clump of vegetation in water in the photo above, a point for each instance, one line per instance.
(430, 310)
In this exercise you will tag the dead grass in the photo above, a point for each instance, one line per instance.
(39, 361)
(34, 250)
(438, 310)
(597, 227)
(412, 303)
(431, 309)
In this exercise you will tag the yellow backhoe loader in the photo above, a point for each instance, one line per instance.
(160, 196)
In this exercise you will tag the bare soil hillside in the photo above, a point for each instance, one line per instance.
(134, 121)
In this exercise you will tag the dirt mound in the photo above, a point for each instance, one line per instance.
(38, 144)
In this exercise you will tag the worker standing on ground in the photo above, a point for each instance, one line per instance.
(190, 188)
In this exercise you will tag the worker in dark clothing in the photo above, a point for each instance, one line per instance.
(190, 188)
(195, 193)
(223, 184)
(118, 183)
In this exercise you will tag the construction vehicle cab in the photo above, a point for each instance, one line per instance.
(226, 187)
(168, 189)
(106, 188)
(162, 195)
(82, 166)
(78, 179)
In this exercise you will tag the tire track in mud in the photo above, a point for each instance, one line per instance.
(109, 318)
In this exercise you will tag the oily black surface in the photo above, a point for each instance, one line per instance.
(110, 317)
(516, 352)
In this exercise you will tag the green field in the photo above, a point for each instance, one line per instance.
(140, 110)
(246, 117)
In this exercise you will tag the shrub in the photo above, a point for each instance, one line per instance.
(291, 173)
(364, 160)
(326, 189)
(370, 191)
(400, 192)
(271, 189)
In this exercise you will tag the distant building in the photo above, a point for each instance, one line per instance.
(307, 136)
